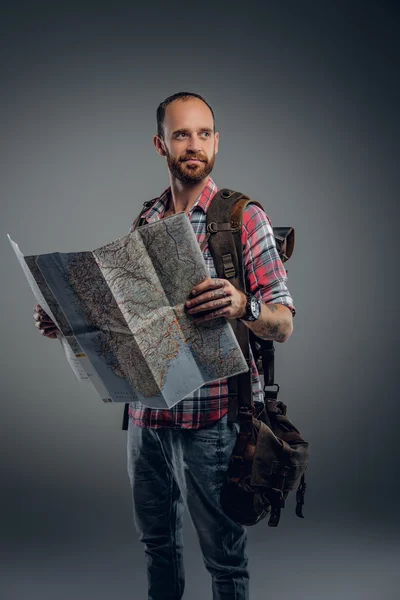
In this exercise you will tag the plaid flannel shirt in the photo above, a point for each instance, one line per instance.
(266, 279)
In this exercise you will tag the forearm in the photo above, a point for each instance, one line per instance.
(275, 323)
(219, 298)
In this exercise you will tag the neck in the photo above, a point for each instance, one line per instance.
(184, 195)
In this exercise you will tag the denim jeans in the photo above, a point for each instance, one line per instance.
(173, 468)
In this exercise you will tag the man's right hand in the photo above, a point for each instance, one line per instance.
(46, 326)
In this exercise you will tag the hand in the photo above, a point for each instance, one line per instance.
(46, 326)
(219, 297)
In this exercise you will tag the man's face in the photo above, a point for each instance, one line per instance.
(189, 144)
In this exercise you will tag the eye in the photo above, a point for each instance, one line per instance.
(180, 134)
(207, 133)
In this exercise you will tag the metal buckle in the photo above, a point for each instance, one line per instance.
(212, 227)
(270, 393)
(229, 268)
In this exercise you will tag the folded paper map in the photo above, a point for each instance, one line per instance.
(120, 311)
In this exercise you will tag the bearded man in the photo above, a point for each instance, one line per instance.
(178, 458)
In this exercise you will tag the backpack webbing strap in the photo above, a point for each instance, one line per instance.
(264, 351)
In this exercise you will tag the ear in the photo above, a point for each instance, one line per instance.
(159, 144)
(216, 143)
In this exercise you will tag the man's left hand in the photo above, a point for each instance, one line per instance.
(217, 296)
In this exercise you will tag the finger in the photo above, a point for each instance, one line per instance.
(221, 289)
(217, 292)
(214, 304)
(45, 326)
(41, 317)
(208, 297)
(44, 321)
(206, 285)
(50, 334)
(223, 312)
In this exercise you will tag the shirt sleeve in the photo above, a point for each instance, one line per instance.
(265, 273)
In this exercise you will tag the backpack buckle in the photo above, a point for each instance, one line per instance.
(212, 227)
(229, 268)
(272, 395)
(246, 410)
(148, 203)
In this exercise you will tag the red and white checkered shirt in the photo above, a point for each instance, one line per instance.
(266, 279)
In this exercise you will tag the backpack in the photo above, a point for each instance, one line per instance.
(270, 457)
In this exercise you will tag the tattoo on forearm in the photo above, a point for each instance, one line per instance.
(276, 331)
(268, 328)
(272, 331)
(272, 307)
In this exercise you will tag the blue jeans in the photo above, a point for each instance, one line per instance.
(173, 468)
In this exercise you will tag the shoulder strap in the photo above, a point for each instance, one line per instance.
(224, 236)
(139, 219)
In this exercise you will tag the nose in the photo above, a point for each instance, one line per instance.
(193, 143)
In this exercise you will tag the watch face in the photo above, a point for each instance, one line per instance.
(255, 307)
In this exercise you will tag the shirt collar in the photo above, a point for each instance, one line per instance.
(203, 201)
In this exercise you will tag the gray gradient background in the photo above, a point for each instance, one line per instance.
(306, 98)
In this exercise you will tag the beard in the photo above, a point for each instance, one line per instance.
(190, 173)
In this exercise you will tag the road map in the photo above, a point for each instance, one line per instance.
(120, 311)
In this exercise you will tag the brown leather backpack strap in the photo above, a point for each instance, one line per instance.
(224, 236)
(219, 235)
(238, 210)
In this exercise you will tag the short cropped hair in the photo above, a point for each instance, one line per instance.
(179, 96)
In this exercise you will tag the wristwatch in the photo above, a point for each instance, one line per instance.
(253, 308)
